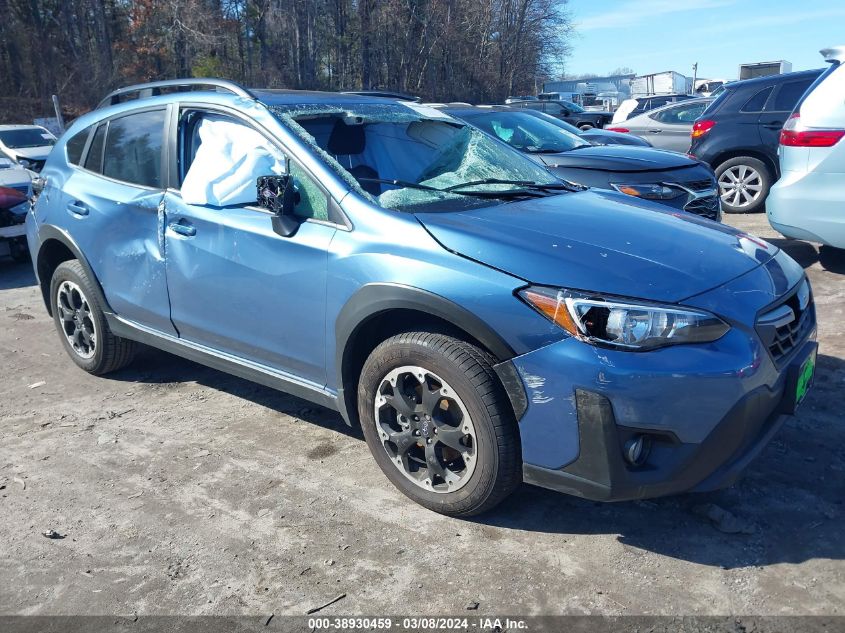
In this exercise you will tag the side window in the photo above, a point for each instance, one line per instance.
(789, 94)
(133, 148)
(311, 202)
(221, 158)
(75, 145)
(669, 115)
(94, 159)
(679, 114)
(756, 103)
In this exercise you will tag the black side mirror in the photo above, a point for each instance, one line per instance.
(278, 195)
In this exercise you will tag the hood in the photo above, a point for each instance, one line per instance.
(602, 242)
(617, 158)
(33, 153)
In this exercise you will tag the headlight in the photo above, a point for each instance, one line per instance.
(649, 192)
(623, 323)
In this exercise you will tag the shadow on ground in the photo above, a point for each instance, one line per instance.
(15, 275)
(157, 367)
(807, 254)
(791, 498)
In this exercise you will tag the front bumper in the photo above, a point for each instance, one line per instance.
(705, 410)
(601, 473)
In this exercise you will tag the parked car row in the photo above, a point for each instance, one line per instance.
(569, 112)
(424, 272)
(26, 145)
(669, 178)
(15, 191)
(737, 133)
(667, 127)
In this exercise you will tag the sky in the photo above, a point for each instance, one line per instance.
(656, 35)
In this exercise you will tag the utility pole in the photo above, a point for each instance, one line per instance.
(694, 75)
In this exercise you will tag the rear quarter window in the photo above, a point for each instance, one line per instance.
(75, 146)
(133, 148)
(94, 158)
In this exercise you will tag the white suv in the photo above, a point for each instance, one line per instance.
(808, 202)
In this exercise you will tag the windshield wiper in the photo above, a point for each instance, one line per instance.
(527, 188)
(490, 181)
(455, 189)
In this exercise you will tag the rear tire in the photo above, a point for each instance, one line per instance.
(457, 449)
(81, 324)
(744, 184)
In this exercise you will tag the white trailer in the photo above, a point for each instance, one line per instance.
(764, 69)
(665, 83)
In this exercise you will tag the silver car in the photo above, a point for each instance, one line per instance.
(667, 127)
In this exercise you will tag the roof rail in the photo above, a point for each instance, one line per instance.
(154, 88)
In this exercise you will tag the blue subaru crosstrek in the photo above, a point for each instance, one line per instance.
(482, 321)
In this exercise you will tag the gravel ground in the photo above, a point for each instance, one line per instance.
(181, 490)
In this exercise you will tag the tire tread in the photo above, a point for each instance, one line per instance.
(117, 352)
(477, 366)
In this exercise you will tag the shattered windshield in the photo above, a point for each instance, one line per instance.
(411, 157)
(526, 132)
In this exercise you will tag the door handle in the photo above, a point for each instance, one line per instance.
(655, 131)
(77, 208)
(774, 125)
(188, 230)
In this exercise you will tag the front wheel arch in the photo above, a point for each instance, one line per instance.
(378, 311)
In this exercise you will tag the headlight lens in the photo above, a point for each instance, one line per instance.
(623, 323)
(649, 192)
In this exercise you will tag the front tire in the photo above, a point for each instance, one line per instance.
(439, 424)
(744, 184)
(81, 324)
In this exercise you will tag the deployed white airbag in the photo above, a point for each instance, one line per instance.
(228, 161)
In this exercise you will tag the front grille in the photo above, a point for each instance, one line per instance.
(786, 326)
(707, 207)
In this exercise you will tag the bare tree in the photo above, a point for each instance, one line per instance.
(477, 50)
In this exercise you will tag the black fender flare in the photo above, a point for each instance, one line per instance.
(377, 298)
(48, 232)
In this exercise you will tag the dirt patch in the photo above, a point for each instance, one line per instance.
(321, 451)
(220, 496)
